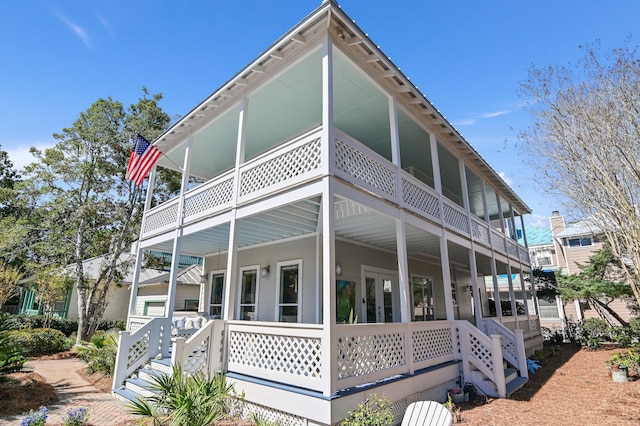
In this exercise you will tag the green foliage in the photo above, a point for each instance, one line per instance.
(372, 411)
(184, 400)
(11, 359)
(629, 358)
(38, 341)
(67, 326)
(100, 354)
(593, 332)
(10, 275)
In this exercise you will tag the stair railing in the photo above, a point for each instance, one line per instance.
(202, 351)
(513, 348)
(485, 353)
(137, 347)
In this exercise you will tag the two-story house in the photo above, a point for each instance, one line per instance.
(352, 239)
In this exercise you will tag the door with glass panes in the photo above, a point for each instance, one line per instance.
(217, 292)
(380, 289)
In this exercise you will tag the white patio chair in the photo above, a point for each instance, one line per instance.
(430, 413)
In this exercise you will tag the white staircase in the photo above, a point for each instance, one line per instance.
(139, 385)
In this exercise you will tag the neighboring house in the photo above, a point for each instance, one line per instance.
(574, 244)
(542, 252)
(352, 239)
(152, 292)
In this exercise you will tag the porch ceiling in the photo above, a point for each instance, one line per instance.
(353, 222)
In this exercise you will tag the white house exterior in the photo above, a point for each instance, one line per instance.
(347, 229)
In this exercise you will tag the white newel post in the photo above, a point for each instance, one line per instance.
(498, 365)
(522, 353)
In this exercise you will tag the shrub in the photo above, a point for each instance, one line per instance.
(593, 332)
(11, 358)
(372, 411)
(39, 341)
(100, 354)
(181, 399)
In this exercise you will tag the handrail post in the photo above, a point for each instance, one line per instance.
(498, 366)
(120, 368)
(522, 353)
(177, 351)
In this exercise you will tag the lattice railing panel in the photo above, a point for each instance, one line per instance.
(197, 360)
(481, 352)
(289, 165)
(429, 344)
(524, 254)
(421, 200)
(455, 218)
(298, 356)
(480, 231)
(512, 249)
(497, 240)
(508, 345)
(267, 415)
(209, 198)
(138, 349)
(365, 169)
(360, 355)
(161, 218)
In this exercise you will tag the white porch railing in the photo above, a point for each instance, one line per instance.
(202, 351)
(292, 353)
(281, 352)
(512, 342)
(136, 346)
(530, 325)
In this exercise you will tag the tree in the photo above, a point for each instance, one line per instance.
(91, 209)
(598, 283)
(9, 278)
(51, 285)
(585, 142)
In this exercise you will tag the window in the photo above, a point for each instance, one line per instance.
(217, 290)
(422, 298)
(191, 305)
(289, 290)
(249, 293)
(580, 242)
(544, 261)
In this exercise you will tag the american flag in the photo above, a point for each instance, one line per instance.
(142, 158)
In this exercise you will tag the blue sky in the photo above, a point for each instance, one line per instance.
(468, 57)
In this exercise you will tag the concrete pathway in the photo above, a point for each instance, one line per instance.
(75, 392)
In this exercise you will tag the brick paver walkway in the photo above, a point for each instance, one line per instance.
(75, 392)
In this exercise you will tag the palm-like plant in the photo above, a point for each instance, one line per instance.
(185, 400)
(100, 354)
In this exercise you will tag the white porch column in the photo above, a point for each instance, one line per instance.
(231, 277)
(175, 254)
(446, 277)
(135, 282)
(477, 308)
(496, 288)
(403, 272)
(329, 349)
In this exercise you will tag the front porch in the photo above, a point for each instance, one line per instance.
(404, 361)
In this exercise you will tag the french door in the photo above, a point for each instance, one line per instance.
(379, 296)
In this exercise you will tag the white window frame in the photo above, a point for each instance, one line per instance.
(255, 304)
(580, 239)
(213, 275)
(298, 304)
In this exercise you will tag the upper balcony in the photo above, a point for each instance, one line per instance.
(309, 158)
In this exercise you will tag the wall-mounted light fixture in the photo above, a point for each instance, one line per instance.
(203, 278)
(264, 271)
(338, 269)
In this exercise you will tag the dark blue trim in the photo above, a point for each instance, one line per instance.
(343, 392)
